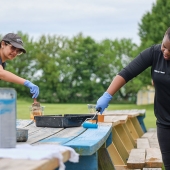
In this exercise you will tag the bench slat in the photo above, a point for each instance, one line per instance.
(153, 158)
(143, 143)
(32, 128)
(63, 136)
(152, 168)
(41, 134)
(136, 159)
(91, 140)
(20, 123)
(148, 135)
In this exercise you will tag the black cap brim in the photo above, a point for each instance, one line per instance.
(17, 45)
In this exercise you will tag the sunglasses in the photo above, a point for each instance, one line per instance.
(18, 51)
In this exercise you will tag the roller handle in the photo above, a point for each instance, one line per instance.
(96, 117)
(99, 109)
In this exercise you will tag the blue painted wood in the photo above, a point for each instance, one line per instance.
(63, 136)
(141, 122)
(109, 140)
(91, 140)
(85, 163)
(86, 141)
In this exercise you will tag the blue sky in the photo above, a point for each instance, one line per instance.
(99, 19)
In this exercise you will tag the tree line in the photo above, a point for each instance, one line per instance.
(79, 69)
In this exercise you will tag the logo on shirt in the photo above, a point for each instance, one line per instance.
(157, 71)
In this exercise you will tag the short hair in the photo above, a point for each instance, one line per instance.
(168, 32)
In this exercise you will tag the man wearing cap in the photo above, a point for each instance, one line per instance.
(11, 46)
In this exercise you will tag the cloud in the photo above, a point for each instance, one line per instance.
(97, 18)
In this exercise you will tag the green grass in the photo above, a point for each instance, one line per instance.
(53, 109)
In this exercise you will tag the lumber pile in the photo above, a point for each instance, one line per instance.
(147, 155)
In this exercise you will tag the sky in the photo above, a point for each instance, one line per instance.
(99, 19)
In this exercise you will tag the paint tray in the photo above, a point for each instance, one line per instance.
(59, 121)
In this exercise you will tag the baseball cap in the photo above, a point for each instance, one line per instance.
(14, 40)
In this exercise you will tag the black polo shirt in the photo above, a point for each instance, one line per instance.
(3, 64)
(160, 74)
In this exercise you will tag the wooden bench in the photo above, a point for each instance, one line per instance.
(119, 149)
(90, 143)
(25, 164)
(136, 116)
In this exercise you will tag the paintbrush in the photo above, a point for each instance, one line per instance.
(35, 103)
(36, 109)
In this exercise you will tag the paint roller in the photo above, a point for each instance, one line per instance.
(88, 124)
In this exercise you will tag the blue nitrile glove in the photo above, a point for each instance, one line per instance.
(33, 88)
(103, 102)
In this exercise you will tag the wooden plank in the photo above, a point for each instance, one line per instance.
(130, 135)
(91, 140)
(112, 119)
(21, 123)
(152, 168)
(120, 119)
(143, 143)
(140, 111)
(41, 134)
(104, 161)
(119, 144)
(63, 136)
(115, 156)
(20, 164)
(123, 119)
(136, 159)
(32, 128)
(122, 112)
(148, 135)
(124, 168)
(137, 126)
(153, 158)
(155, 135)
(152, 130)
(153, 143)
(121, 167)
(124, 137)
(133, 114)
(132, 129)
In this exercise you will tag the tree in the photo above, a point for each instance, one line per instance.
(152, 28)
(114, 56)
(154, 24)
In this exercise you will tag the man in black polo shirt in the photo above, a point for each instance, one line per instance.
(11, 46)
